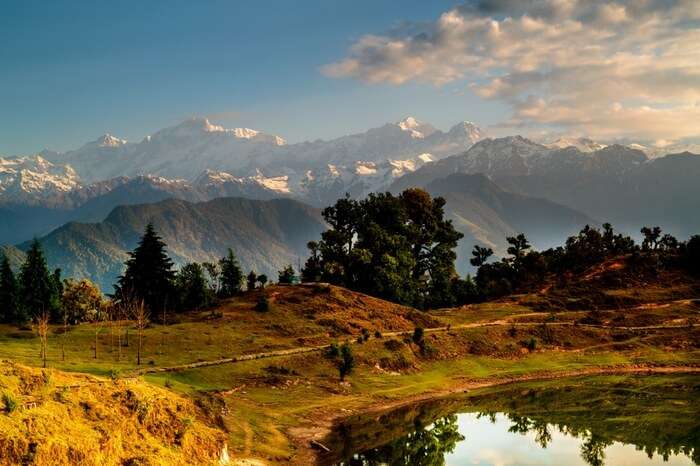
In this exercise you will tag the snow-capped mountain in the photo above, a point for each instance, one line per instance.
(516, 156)
(32, 180)
(583, 144)
(654, 152)
(261, 163)
(322, 185)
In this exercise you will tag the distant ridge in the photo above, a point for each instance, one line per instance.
(266, 235)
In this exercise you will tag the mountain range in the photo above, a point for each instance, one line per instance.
(76, 201)
(615, 184)
(266, 236)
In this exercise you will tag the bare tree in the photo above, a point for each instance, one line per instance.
(65, 334)
(41, 326)
(141, 315)
(97, 317)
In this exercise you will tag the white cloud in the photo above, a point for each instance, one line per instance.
(623, 68)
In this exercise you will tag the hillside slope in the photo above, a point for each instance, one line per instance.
(61, 418)
(266, 235)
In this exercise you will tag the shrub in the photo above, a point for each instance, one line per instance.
(347, 361)
(263, 305)
(530, 344)
(9, 401)
(61, 395)
(418, 335)
(333, 351)
(393, 345)
(365, 334)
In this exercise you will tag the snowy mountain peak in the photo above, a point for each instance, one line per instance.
(415, 128)
(467, 129)
(583, 144)
(204, 125)
(107, 140)
(33, 178)
(209, 177)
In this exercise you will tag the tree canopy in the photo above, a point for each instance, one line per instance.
(8, 292)
(399, 248)
(149, 274)
(39, 290)
(231, 275)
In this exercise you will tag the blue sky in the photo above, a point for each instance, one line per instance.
(73, 70)
(303, 69)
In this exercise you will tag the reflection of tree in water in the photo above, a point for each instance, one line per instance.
(593, 450)
(523, 425)
(426, 446)
(657, 416)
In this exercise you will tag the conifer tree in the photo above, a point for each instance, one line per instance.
(149, 275)
(252, 280)
(192, 286)
(231, 275)
(8, 292)
(37, 287)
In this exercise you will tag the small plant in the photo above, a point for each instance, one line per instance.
(263, 305)
(531, 344)
(333, 351)
(143, 409)
(393, 345)
(9, 402)
(418, 335)
(113, 374)
(61, 394)
(46, 377)
(360, 339)
(347, 361)
(512, 331)
(378, 334)
(365, 334)
(168, 383)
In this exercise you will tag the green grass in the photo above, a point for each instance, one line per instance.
(264, 405)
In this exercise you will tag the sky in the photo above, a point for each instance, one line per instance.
(306, 69)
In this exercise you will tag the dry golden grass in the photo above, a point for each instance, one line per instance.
(51, 417)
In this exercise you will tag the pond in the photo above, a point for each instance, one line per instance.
(594, 421)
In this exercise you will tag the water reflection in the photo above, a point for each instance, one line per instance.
(604, 421)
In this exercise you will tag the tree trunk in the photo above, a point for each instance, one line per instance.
(95, 345)
(138, 351)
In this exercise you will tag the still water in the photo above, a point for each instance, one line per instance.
(614, 421)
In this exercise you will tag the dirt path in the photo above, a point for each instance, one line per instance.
(447, 328)
(322, 422)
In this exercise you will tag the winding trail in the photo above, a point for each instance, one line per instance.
(442, 329)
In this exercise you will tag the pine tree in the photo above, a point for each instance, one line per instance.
(192, 287)
(149, 274)
(231, 275)
(8, 292)
(252, 280)
(37, 288)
